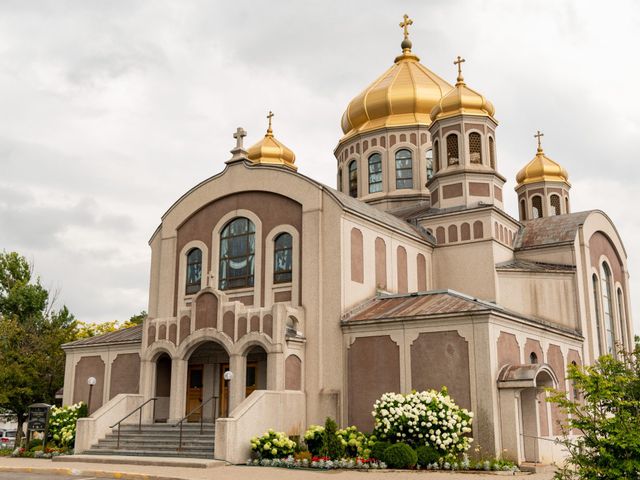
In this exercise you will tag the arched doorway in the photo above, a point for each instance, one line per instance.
(162, 387)
(204, 382)
(530, 414)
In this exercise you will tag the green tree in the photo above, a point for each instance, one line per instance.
(606, 415)
(31, 360)
(136, 319)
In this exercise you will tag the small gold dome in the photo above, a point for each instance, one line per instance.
(403, 95)
(542, 169)
(462, 100)
(271, 151)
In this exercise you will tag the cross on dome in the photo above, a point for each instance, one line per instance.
(405, 25)
(269, 117)
(538, 136)
(459, 61)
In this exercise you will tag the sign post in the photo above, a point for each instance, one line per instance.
(38, 421)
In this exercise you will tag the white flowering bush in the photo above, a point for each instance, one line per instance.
(62, 423)
(272, 445)
(423, 418)
(356, 444)
(313, 438)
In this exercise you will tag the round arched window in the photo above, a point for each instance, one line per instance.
(237, 254)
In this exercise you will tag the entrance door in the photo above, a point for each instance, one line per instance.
(250, 386)
(529, 418)
(194, 391)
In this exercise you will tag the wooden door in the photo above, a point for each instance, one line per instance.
(194, 391)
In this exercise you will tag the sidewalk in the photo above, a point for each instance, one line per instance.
(138, 472)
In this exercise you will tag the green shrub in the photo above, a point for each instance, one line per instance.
(427, 455)
(377, 451)
(400, 455)
(34, 445)
(331, 443)
(62, 423)
(313, 439)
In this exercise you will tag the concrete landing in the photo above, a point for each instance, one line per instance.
(138, 460)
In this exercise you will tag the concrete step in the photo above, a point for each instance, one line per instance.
(151, 453)
(159, 440)
(123, 459)
(153, 446)
(537, 467)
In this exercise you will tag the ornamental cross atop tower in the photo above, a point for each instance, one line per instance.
(459, 61)
(538, 136)
(239, 136)
(405, 25)
(269, 117)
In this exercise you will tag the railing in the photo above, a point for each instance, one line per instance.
(139, 420)
(199, 407)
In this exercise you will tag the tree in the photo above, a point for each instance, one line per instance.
(31, 332)
(136, 319)
(606, 416)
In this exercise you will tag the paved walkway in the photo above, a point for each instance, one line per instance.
(60, 470)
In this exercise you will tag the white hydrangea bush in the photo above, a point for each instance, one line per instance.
(272, 444)
(62, 423)
(423, 418)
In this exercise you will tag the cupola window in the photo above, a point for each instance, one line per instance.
(453, 156)
(194, 271)
(339, 179)
(607, 306)
(536, 204)
(555, 204)
(475, 148)
(429, 158)
(533, 358)
(404, 169)
(492, 153)
(596, 306)
(353, 179)
(237, 254)
(282, 263)
(523, 210)
(436, 155)
(375, 173)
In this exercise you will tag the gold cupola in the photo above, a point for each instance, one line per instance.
(271, 151)
(462, 100)
(542, 169)
(403, 95)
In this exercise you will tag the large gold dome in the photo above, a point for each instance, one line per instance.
(542, 169)
(403, 95)
(462, 100)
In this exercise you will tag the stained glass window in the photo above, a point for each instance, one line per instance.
(429, 157)
(375, 173)
(194, 271)
(353, 179)
(404, 169)
(237, 254)
(282, 263)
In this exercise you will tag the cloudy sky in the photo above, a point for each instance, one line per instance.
(112, 109)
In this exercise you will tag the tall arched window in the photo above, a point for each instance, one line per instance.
(453, 155)
(475, 148)
(555, 204)
(607, 306)
(194, 271)
(436, 155)
(492, 153)
(282, 258)
(536, 204)
(404, 170)
(237, 254)
(375, 173)
(429, 158)
(596, 306)
(623, 318)
(353, 179)
(523, 210)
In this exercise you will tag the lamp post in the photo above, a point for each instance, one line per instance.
(91, 381)
(228, 376)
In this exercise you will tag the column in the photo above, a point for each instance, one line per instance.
(237, 389)
(147, 384)
(178, 398)
(275, 371)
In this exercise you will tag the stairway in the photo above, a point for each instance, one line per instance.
(158, 440)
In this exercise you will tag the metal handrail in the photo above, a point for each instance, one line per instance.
(153, 399)
(199, 407)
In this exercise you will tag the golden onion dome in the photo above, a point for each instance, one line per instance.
(542, 169)
(403, 95)
(462, 100)
(271, 151)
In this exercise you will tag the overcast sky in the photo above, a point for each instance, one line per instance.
(113, 109)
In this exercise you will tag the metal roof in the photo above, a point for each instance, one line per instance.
(124, 335)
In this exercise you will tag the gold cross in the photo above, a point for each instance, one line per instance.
(459, 63)
(405, 25)
(538, 136)
(270, 116)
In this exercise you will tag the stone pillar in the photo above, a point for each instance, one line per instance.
(147, 387)
(275, 371)
(237, 389)
(178, 399)
(207, 391)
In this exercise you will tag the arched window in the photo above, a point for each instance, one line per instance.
(566, 205)
(282, 255)
(429, 157)
(607, 306)
(492, 153)
(533, 358)
(475, 148)
(536, 204)
(194, 271)
(523, 210)
(623, 318)
(453, 156)
(237, 254)
(353, 179)
(375, 173)
(555, 204)
(404, 172)
(436, 155)
(339, 179)
(596, 306)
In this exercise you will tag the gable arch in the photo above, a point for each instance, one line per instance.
(195, 339)
(158, 348)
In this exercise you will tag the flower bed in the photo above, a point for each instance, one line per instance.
(322, 463)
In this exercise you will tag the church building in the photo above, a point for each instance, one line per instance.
(276, 301)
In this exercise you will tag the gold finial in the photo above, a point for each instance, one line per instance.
(406, 43)
(538, 136)
(270, 116)
(459, 61)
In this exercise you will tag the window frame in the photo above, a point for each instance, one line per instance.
(479, 152)
(353, 178)
(403, 180)
(250, 255)
(457, 145)
(380, 172)
(428, 156)
(276, 250)
(533, 207)
(193, 288)
(608, 314)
